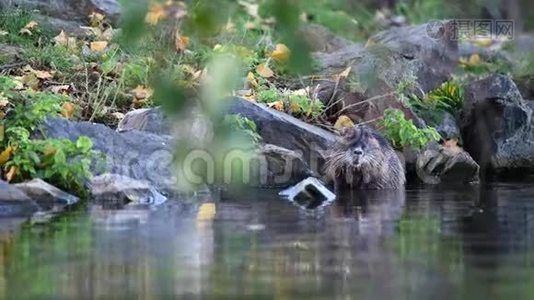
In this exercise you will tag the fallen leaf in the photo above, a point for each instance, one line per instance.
(294, 108)
(61, 39)
(281, 53)
(58, 89)
(345, 73)
(250, 25)
(107, 35)
(264, 71)
(251, 80)
(3, 32)
(31, 81)
(141, 92)
(3, 101)
(98, 46)
(27, 29)
(11, 174)
(49, 150)
(278, 105)
(96, 19)
(343, 122)
(67, 110)
(5, 155)
(180, 41)
(206, 212)
(483, 42)
(118, 115)
(155, 13)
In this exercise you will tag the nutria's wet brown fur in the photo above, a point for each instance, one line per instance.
(363, 159)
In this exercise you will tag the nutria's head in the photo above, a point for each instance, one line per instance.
(359, 150)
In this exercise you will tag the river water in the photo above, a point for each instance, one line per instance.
(422, 243)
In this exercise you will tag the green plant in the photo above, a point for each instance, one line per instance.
(402, 133)
(268, 96)
(242, 124)
(304, 106)
(448, 97)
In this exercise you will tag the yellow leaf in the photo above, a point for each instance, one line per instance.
(2, 115)
(483, 42)
(180, 41)
(96, 19)
(141, 92)
(2, 128)
(251, 79)
(294, 108)
(281, 53)
(474, 60)
(155, 13)
(11, 174)
(98, 46)
(278, 105)
(206, 212)
(343, 122)
(68, 110)
(27, 29)
(6, 154)
(264, 71)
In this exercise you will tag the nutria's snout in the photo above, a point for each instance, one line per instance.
(364, 159)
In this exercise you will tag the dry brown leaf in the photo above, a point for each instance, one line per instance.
(252, 9)
(27, 29)
(343, 122)
(68, 110)
(2, 116)
(31, 81)
(6, 154)
(107, 35)
(2, 128)
(250, 25)
(118, 115)
(3, 101)
(206, 212)
(96, 19)
(251, 80)
(58, 89)
(61, 39)
(141, 92)
(98, 46)
(180, 41)
(278, 105)
(264, 71)
(156, 12)
(281, 53)
(11, 174)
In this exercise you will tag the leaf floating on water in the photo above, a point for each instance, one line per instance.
(343, 122)
(206, 212)
(264, 71)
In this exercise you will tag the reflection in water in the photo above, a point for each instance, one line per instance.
(415, 244)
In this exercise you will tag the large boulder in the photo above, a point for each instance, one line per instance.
(497, 125)
(423, 56)
(439, 164)
(14, 203)
(285, 131)
(133, 153)
(77, 10)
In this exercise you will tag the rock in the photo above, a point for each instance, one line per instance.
(14, 203)
(146, 119)
(56, 25)
(117, 190)
(497, 125)
(9, 53)
(73, 10)
(136, 154)
(448, 127)
(280, 167)
(48, 197)
(446, 165)
(285, 131)
(321, 39)
(424, 55)
(309, 194)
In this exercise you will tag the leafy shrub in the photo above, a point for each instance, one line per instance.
(304, 106)
(402, 133)
(242, 124)
(448, 97)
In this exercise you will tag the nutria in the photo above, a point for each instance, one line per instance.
(363, 159)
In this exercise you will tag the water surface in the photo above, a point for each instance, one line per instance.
(422, 243)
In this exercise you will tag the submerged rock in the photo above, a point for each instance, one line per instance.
(14, 203)
(136, 154)
(497, 127)
(47, 196)
(113, 190)
(280, 167)
(309, 194)
(285, 131)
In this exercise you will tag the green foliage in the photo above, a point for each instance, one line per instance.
(242, 124)
(59, 161)
(12, 21)
(304, 106)
(448, 97)
(402, 133)
(269, 96)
